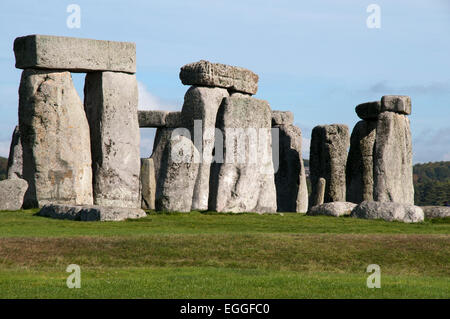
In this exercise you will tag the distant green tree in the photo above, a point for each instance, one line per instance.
(3, 167)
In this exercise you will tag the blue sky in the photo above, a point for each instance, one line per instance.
(315, 58)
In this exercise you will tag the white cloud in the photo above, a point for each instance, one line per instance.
(4, 148)
(306, 142)
(432, 145)
(148, 101)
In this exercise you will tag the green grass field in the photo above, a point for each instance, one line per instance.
(209, 255)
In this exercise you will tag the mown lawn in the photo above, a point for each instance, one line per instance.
(209, 255)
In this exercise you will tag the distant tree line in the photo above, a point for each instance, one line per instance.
(432, 183)
(3, 166)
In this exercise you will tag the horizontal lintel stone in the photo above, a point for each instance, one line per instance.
(205, 73)
(74, 54)
(156, 118)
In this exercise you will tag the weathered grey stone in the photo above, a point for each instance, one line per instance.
(359, 170)
(15, 159)
(282, 118)
(244, 182)
(148, 183)
(205, 73)
(290, 178)
(174, 119)
(393, 174)
(436, 211)
(55, 140)
(328, 157)
(199, 113)
(389, 211)
(320, 192)
(333, 209)
(396, 103)
(74, 54)
(156, 118)
(369, 110)
(159, 154)
(152, 118)
(90, 213)
(12, 192)
(177, 173)
(111, 106)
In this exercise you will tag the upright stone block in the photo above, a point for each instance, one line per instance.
(244, 181)
(328, 157)
(290, 178)
(74, 54)
(177, 176)
(393, 173)
(55, 139)
(15, 159)
(111, 106)
(359, 170)
(199, 114)
(148, 183)
(205, 73)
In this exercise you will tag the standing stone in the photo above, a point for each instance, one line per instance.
(199, 114)
(320, 192)
(393, 174)
(15, 159)
(55, 139)
(177, 173)
(290, 178)
(328, 157)
(233, 78)
(359, 170)
(148, 183)
(12, 192)
(244, 182)
(111, 106)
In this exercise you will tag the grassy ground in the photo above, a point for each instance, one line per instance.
(223, 256)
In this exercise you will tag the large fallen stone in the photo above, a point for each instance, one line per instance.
(111, 106)
(158, 118)
(55, 140)
(328, 157)
(392, 160)
(15, 159)
(199, 113)
(359, 170)
(148, 183)
(90, 213)
(436, 211)
(244, 181)
(396, 103)
(389, 211)
(74, 54)
(290, 178)
(205, 73)
(335, 209)
(282, 118)
(177, 173)
(369, 110)
(12, 192)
